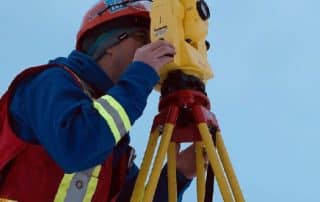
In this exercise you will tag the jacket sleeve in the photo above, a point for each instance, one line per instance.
(78, 132)
(162, 189)
(161, 194)
(124, 103)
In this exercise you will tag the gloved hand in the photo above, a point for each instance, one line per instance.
(155, 54)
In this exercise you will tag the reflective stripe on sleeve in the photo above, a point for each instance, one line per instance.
(78, 186)
(123, 114)
(108, 118)
(114, 114)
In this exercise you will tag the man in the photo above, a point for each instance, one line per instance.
(64, 126)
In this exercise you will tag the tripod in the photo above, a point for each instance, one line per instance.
(184, 116)
(184, 109)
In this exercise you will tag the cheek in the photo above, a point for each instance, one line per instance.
(131, 52)
(126, 57)
(129, 56)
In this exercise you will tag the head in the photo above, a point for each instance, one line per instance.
(111, 33)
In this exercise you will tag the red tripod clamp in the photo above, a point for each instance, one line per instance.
(193, 107)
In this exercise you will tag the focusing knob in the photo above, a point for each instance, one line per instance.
(208, 45)
(203, 10)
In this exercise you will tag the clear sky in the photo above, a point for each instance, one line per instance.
(266, 61)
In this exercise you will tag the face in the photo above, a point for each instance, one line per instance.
(121, 55)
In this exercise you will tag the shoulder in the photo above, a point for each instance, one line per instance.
(47, 77)
(53, 74)
(43, 82)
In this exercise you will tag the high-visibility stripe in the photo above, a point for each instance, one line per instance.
(114, 114)
(92, 184)
(63, 187)
(109, 120)
(96, 171)
(79, 186)
(123, 114)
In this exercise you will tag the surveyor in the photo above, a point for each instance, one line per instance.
(64, 133)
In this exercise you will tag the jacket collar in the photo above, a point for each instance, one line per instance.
(87, 69)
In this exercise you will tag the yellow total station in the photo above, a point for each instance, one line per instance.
(184, 109)
(184, 23)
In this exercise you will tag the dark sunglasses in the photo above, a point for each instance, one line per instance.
(141, 36)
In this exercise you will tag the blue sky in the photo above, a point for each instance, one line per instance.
(266, 61)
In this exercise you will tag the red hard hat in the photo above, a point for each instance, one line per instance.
(109, 10)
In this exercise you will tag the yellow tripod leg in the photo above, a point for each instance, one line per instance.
(228, 168)
(200, 172)
(172, 174)
(155, 173)
(215, 163)
(138, 191)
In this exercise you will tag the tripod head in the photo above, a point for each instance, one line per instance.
(184, 92)
(177, 80)
(184, 23)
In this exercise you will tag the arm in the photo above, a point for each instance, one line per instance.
(162, 189)
(186, 171)
(59, 116)
(161, 194)
(78, 132)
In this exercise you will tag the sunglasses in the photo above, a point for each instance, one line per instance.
(141, 36)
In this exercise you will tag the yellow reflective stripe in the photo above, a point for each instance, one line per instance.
(123, 114)
(92, 185)
(63, 187)
(109, 120)
(96, 171)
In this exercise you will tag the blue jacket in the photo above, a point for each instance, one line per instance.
(50, 109)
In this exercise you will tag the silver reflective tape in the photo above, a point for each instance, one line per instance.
(78, 186)
(115, 115)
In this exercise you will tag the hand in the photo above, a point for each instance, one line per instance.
(155, 54)
(186, 162)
